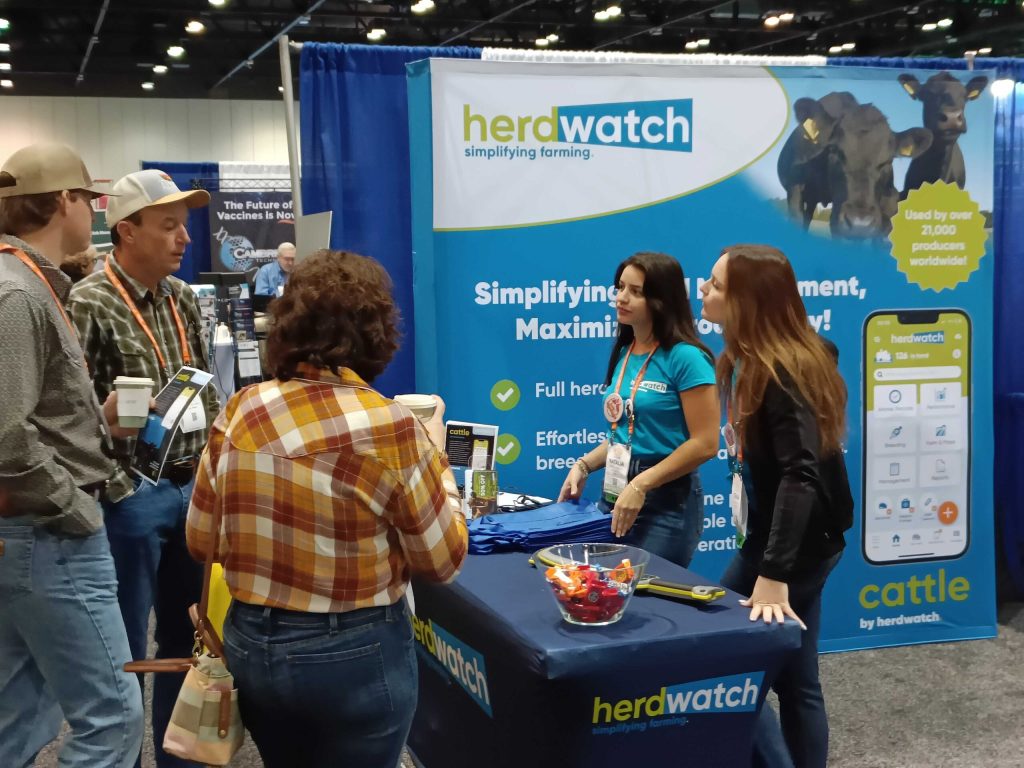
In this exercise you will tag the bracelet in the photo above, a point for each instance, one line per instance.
(583, 465)
(636, 488)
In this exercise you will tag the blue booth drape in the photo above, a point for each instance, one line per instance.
(197, 253)
(355, 162)
(1008, 236)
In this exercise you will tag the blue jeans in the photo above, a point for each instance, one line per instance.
(315, 689)
(156, 572)
(671, 520)
(803, 739)
(62, 649)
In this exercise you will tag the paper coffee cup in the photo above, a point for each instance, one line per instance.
(133, 395)
(422, 406)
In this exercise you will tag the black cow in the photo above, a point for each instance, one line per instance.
(944, 98)
(841, 154)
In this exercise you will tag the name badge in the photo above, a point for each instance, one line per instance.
(616, 471)
(738, 506)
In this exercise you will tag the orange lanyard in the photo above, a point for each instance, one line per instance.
(186, 356)
(23, 257)
(636, 385)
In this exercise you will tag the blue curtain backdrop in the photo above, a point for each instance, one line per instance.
(355, 162)
(1008, 234)
(197, 254)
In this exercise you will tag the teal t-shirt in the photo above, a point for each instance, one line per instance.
(660, 425)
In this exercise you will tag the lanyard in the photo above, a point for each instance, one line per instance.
(23, 257)
(186, 356)
(636, 385)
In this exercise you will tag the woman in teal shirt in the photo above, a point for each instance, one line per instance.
(661, 407)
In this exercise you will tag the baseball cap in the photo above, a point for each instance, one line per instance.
(145, 188)
(48, 167)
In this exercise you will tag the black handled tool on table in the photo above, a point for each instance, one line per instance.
(650, 584)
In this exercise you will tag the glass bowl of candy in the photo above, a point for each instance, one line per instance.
(592, 583)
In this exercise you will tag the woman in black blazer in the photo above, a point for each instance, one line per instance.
(787, 416)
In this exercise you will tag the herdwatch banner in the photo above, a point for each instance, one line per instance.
(532, 182)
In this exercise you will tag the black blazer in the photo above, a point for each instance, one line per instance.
(801, 501)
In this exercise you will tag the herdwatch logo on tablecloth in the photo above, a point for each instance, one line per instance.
(668, 707)
(461, 662)
(665, 124)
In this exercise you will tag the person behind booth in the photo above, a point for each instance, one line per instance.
(662, 409)
(62, 640)
(791, 496)
(272, 276)
(332, 496)
(135, 319)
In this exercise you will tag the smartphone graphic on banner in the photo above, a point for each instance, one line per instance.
(917, 435)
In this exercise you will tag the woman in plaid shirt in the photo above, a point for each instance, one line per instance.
(332, 496)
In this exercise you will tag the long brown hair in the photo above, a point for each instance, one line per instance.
(767, 332)
(671, 313)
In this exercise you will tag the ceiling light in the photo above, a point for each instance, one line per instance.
(160, 69)
(984, 51)
(1000, 88)
(552, 38)
(376, 34)
(175, 51)
(771, 21)
(4, 24)
(849, 46)
(195, 27)
(10, 84)
(5, 47)
(704, 42)
(945, 23)
(613, 11)
(542, 42)
(303, 21)
(5, 66)
(970, 53)
(423, 6)
(147, 86)
(835, 49)
(601, 16)
(280, 89)
(692, 45)
(787, 17)
(929, 27)
(217, 3)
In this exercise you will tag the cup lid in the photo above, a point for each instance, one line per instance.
(134, 381)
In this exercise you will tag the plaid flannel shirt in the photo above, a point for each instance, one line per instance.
(331, 495)
(115, 345)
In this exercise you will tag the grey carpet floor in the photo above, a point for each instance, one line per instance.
(946, 705)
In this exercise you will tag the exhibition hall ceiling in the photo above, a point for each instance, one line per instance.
(226, 49)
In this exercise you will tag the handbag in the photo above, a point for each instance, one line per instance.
(205, 726)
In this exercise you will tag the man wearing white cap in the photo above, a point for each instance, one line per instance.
(62, 640)
(135, 319)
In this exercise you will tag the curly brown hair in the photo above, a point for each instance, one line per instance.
(336, 312)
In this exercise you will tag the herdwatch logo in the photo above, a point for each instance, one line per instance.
(665, 125)
(735, 693)
(929, 337)
(461, 662)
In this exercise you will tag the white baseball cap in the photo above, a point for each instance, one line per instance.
(145, 188)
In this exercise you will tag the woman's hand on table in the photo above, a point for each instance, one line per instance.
(770, 600)
(572, 488)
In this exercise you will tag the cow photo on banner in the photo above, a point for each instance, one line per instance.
(247, 227)
(535, 180)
